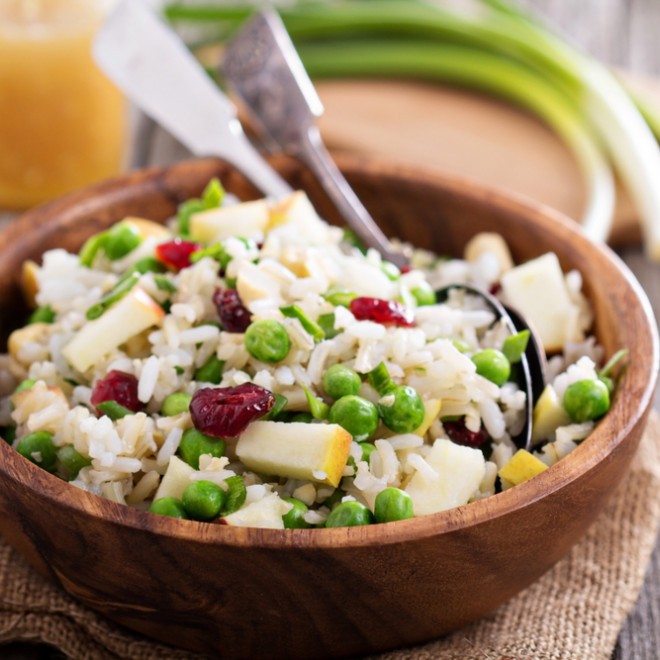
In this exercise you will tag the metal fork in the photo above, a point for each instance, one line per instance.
(262, 67)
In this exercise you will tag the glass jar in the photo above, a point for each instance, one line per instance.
(62, 124)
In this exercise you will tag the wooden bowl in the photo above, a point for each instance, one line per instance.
(332, 592)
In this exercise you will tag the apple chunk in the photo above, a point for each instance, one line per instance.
(246, 219)
(175, 480)
(133, 314)
(316, 452)
(538, 291)
(450, 478)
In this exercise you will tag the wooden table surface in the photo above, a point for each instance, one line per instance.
(623, 33)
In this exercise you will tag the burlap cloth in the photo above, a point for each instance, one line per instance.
(576, 610)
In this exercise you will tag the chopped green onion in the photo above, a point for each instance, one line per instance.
(210, 371)
(91, 247)
(392, 272)
(279, 405)
(311, 327)
(236, 494)
(185, 211)
(115, 294)
(379, 378)
(514, 346)
(317, 407)
(213, 194)
(164, 284)
(340, 298)
(327, 324)
(44, 314)
(113, 410)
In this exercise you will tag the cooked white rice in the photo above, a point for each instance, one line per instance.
(295, 265)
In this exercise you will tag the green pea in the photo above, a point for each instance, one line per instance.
(367, 449)
(203, 500)
(357, 415)
(267, 341)
(168, 506)
(339, 380)
(44, 314)
(586, 400)
(175, 404)
(38, 447)
(393, 504)
(236, 494)
(493, 365)
(424, 295)
(194, 444)
(121, 240)
(349, 514)
(402, 409)
(294, 519)
(210, 371)
(72, 461)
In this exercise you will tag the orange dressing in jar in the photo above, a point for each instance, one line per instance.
(62, 123)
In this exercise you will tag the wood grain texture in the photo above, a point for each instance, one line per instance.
(210, 587)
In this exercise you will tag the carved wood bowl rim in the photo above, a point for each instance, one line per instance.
(610, 433)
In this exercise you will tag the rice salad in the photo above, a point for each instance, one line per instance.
(248, 364)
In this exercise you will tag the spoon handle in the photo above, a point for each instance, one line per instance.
(309, 148)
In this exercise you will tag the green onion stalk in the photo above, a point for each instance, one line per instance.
(490, 45)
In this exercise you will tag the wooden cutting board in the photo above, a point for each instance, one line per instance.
(467, 134)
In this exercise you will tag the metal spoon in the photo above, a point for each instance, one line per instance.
(262, 67)
(531, 369)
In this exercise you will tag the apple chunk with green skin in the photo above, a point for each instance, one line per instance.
(316, 452)
(130, 316)
(247, 219)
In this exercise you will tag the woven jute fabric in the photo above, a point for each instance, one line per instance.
(576, 610)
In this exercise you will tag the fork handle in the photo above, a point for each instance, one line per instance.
(309, 148)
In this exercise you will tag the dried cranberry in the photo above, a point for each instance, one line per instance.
(461, 435)
(225, 412)
(406, 268)
(387, 312)
(495, 289)
(176, 253)
(234, 316)
(120, 387)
